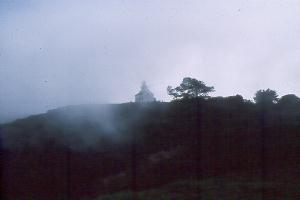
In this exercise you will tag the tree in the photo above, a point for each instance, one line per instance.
(290, 102)
(289, 99)
(266, 97)
(190, 88)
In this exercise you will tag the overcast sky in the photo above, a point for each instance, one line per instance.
(57, 53)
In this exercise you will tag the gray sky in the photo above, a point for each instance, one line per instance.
(56, 53)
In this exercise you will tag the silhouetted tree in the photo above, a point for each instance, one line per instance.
(289, 99)
(190, 88)
(266, 97)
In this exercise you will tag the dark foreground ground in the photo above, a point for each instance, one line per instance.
(214, 188)
(221, 148)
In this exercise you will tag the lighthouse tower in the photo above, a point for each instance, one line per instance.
(145, 95)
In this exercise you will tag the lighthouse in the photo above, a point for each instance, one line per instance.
(145, 95)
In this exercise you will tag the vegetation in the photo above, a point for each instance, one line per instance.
(208, 189)
(266, 97)
(218, 147)
(190, 88)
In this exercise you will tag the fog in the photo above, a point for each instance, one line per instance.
(59, 53)
(80, 127)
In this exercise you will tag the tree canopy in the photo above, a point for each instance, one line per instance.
(265, 97)
(289, 99)
(190, 88)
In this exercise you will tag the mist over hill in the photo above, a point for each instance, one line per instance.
(87, 151)
(201, 145)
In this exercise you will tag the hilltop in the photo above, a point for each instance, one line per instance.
(88, 151)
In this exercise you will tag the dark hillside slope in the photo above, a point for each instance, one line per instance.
(85, 151)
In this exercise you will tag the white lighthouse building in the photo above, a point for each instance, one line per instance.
(145, 95)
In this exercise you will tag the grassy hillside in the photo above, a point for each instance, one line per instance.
(88, 151)
(213, 188)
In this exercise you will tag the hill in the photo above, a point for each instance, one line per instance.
(89, 151)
